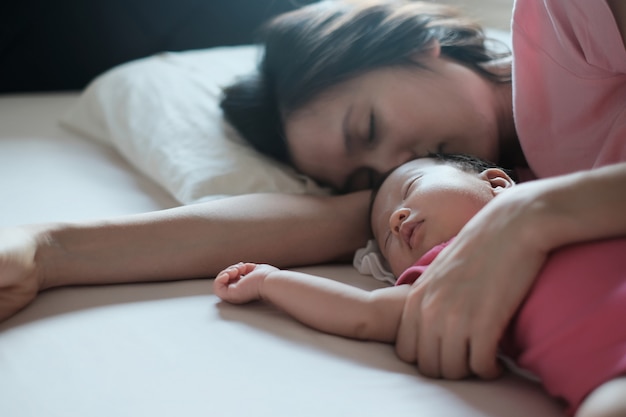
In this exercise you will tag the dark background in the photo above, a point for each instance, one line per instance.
(50, 45)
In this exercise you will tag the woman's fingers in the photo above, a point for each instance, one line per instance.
(454, 362)
(483, 355)
(19, 283)
(447, 331)
(428, 355)
(442, 347)
(448, 335)
(408, 329)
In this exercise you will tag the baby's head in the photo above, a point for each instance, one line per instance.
(427, 201)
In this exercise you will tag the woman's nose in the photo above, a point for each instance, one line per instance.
(397, 218)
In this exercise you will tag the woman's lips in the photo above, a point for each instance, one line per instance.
(408, 232)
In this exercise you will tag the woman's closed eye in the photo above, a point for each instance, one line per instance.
(371, 137)
(363, 135)
(366, 134)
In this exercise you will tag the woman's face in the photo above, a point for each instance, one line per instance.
(424, 203)
(374, 122)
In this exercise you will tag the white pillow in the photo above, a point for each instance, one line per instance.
(162, 114)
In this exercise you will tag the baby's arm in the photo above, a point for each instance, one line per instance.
(321, 303)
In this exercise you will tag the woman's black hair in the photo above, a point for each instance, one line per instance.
(318, 46)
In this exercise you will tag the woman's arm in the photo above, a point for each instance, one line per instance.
(457, 312)
(323, 304)
(184, 242)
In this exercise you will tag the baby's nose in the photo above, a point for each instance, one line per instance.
(397, 218)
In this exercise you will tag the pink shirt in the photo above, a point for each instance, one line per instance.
(569, 331)
(569, 85)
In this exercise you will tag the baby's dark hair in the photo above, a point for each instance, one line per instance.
(467, 163)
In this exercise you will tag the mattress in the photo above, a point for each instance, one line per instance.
(172, 348)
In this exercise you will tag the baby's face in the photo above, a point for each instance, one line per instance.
(422, 204)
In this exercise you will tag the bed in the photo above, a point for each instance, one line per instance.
(172, 348)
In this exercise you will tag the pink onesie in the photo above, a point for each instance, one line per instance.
(569, 330)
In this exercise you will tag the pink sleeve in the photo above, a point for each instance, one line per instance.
(569, 84)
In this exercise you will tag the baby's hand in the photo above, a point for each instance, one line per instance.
(241, 283)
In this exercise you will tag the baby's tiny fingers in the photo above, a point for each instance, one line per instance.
(222, 276)
(229, 273)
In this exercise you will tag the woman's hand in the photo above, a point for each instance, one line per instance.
(457, 311)
(19, 283)
(241, 283)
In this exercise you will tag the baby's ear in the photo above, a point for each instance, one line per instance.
(498, 179)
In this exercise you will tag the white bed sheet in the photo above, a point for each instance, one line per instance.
(166, 349)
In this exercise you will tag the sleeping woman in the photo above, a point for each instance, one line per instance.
(349, 90)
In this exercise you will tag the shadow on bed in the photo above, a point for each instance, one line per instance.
(81, 299)
(375, 355)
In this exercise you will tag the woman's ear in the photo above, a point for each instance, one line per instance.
(498, 179)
